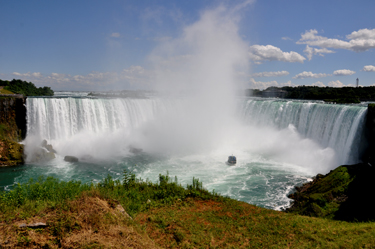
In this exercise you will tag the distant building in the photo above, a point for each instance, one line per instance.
(274, 93)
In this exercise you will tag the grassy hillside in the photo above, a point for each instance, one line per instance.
(5, 91)
(162, 215)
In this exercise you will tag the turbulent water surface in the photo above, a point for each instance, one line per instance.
(278, 143)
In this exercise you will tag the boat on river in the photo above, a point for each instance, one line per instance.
(232, 160)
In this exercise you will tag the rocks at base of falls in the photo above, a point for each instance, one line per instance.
(41, 155)
(135, 150)
(44, 153)
(71, 159)
(48, 146)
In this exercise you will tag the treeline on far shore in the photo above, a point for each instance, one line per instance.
(25, 88)
(327, 94)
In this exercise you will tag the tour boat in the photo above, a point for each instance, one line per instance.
(232, 160)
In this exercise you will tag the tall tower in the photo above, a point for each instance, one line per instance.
(357, 82)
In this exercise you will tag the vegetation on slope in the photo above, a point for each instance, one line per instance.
(342, 194)
(4, 91)
(164, 215)
(25, 88)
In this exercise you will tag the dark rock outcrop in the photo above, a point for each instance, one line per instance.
(40, 154)
(13, 115)
(48, 147)
(135, 150)
(12, 130)
(370, 125)
(70, 159)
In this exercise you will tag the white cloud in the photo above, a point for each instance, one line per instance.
(309, 51)
(286, 38)
(28, 74)
(343, 72)
(318, 83)
(336, 83)
(289, 83)
(305, 74)
(271, 53)
(116, 35)
(365, 34)
(359, 41)
(16, 74)
(262, 84)
(135, 77)
(270, 74)
(57, 78)
(369, 68)
(37, 75)
(265, 84)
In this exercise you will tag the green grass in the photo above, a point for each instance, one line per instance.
(5, 91)
(173, 216)
(136, 194)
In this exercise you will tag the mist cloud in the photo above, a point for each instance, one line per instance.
(200, 67)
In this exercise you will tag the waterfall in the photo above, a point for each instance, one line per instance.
(278, 143)
(56, 118)
(339, 127)
(76, 122)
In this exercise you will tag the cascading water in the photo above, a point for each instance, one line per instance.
(56, 118)
(339, 127)
(278, 143)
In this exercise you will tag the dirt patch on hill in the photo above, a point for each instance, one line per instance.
(86, 222)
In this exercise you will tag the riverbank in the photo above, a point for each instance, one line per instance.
(138, 214)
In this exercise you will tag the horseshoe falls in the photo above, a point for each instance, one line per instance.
(278, 143)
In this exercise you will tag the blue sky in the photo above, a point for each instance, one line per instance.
(110, 45)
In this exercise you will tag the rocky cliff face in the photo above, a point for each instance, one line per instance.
(12, 130)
